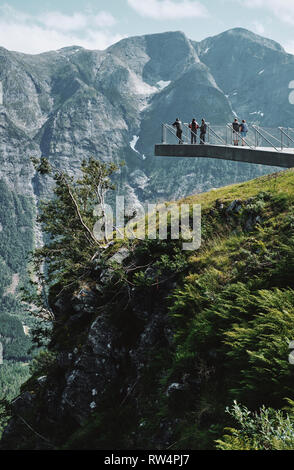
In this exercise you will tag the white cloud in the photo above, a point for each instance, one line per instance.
(283, 9)
(258, 27)
(289, 47)
(60, 22)
(53, 30)
(104, 19)
(169, 9)
(77, 21)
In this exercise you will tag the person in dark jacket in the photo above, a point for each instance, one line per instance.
(203, 129)
(243, 131)
(179, 127)
(194, 126)
(236, 128)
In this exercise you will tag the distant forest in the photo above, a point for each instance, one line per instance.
(16, 241)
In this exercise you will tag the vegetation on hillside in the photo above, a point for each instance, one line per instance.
(16, 242)
(230, 308)
(266, 429)
(69, 220)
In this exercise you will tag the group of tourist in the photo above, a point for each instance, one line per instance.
(194, 126)
(241, 129)
(238, 129)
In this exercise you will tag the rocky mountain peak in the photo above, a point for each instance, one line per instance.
(245, 34)
(238, 39)
(156, 57)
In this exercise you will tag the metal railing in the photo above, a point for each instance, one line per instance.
(276, 138)
(286, 138)
(189, 133)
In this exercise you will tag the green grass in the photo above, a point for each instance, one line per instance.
(232, 314)
(229, 311)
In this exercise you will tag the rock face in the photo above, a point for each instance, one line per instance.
(71, 104)
(105, 364)
(121, 366)
(253, 72)
(74, 103)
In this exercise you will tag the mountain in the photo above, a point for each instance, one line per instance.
(253, 72)
(149, 355)
(73, 103)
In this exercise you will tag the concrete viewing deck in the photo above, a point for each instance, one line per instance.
(262, 146)
(260, 156)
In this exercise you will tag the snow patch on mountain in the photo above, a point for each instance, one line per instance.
(139, 87)
(163, 84)
(259, 113)
(133, 143)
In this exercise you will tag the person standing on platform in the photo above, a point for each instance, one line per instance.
(194, 126)
(178, 125)
(243, 131)
(203, 129)
(236, 128)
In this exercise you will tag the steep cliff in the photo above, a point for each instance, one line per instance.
(153, 344)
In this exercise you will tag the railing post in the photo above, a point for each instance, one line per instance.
(163, 135)
(256, 137)
(282, 145)
(230, 135)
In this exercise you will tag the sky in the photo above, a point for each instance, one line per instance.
(32, 26)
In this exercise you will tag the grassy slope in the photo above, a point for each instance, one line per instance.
(231, 308)
(235, 309)
(282, 181)
(233, 317)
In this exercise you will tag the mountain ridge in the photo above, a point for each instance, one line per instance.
(125, 91)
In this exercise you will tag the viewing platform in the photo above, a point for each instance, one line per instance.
(261, 146)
